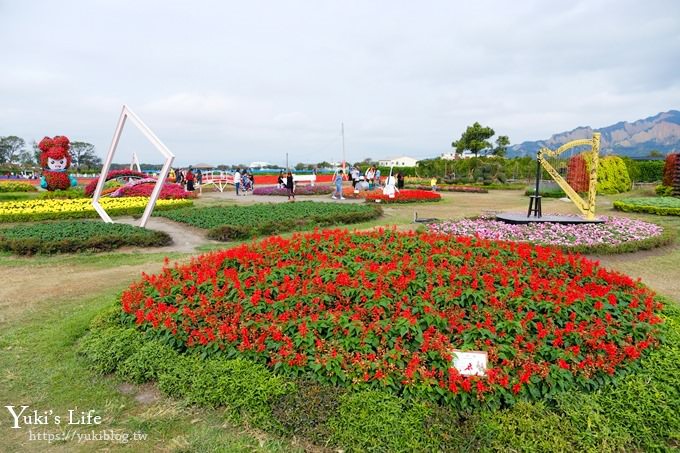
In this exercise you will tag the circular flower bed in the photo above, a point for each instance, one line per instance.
(112, 175)
(614, 232)
(402, 196)
(386, 309)
(299, 190)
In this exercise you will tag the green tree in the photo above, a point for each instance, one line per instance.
(83, 156)
(502, 143)
(300, 166)
(475, 138)
(13, 150)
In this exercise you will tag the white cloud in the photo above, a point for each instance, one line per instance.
(263, 79)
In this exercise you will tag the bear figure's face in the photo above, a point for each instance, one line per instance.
(56, 164)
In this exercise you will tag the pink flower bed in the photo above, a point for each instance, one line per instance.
(614, 231)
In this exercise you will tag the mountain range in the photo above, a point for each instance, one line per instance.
(660, 132)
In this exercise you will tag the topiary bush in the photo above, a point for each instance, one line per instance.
(670, 169)
(577, 173)
(612, 176)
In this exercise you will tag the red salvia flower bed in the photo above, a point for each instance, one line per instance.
(384, 309)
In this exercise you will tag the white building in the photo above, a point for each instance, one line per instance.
(403, 161)
(467, 154)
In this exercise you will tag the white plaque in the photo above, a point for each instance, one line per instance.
(470, 363)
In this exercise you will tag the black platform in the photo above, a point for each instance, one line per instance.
(563, 219)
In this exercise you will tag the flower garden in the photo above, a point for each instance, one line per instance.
(616, 234)
(299, 190)
(346, 340)
(402, 196)
(386, 310)
(49, 209)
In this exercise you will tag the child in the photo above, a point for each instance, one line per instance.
(433, 184)
(338, 186)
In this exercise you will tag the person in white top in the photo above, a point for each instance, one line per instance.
(237, 181)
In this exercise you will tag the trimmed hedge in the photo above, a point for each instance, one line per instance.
(650, 205)
(637, 412)
(229, 223)
(612, 176)
(15, 186)
(76, 236)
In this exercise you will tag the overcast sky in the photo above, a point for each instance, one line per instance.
(235, 82)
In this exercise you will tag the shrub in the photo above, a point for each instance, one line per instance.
(376, 421)
(612, 176)
(240, 222)
(148, 362)
(108, 348)
(547, 193)
(403, 196)
(244, 387)
(650, 205)
(644, 170)
(75, 236)
(663, 191)
(75, 192)
(670, 169)
(13, 186)
(176, 380)
(307, 411)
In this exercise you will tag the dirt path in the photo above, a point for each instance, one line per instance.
(184, 237)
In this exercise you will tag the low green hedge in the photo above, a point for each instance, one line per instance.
(75, 236)
(636, 412)
(663, 191)
(546, 193)
(650, 205)
(228, 223)
(17, 186)
(75, 192)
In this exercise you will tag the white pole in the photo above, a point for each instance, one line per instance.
(342, 132)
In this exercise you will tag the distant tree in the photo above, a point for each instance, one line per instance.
(655, 153)
(475, 138)
(83, 156)
(13, 150)
(300, 166)
(323, 164)
(502, 143)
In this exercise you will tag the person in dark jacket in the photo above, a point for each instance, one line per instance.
(290, 185)
(400, 181)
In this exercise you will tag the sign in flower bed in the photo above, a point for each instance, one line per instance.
(51, 209)
(299, 190)
(402, 196)
(77, 235)
(227, 223)
(614, 235)
(650, 205)
(387, 309)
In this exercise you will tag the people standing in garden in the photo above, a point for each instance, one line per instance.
(290, 185)
(237, 180)
(189, 177)
(400, 180)
(199, 176)
(370, 175)
(337, 178)
(433, 184)
(279, 181)
(377, 176)
(356, 173)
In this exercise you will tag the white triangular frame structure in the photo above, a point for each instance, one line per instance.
(155, 141)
